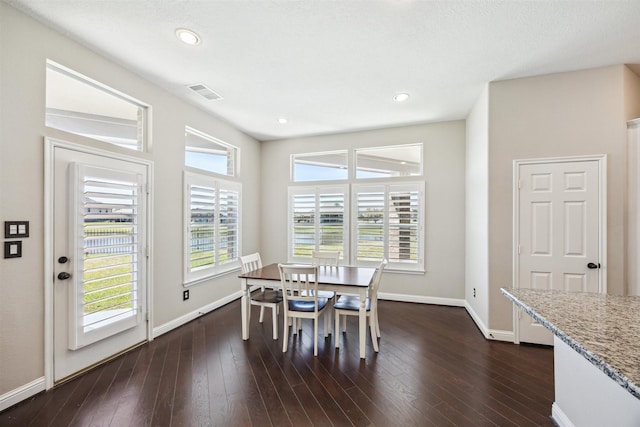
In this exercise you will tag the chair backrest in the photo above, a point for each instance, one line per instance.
(250, 262)
(375, 280)
(299, 283)
(325, 258)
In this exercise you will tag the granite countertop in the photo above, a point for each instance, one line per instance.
(605, 329)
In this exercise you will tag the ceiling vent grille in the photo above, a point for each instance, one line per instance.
(204, 91)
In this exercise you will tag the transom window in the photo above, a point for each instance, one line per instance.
(325, 166)
(207, 153)
(79, 105)
(387, 162)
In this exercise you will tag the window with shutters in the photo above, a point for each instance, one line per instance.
(377, 214)
(388, 222)
(319, 220)
(212, 238)
(107, 240)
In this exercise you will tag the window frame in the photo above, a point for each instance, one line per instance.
(195, 276)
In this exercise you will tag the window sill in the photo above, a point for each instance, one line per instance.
(212, 276)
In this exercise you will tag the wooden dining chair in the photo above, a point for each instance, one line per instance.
(326, 259)
(301, 300)
(265, 298)
(348, 305)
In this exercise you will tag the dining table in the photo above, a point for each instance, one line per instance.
(341, 279)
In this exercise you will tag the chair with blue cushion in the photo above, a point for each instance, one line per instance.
(301, 300)
(348, 305)
(265, 298)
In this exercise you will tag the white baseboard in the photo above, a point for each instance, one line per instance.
(21, 393)
(421, 299)
(559, 416)
(163, 329)
(490, 334)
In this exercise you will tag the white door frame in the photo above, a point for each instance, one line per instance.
(49, 145)
(602, 226)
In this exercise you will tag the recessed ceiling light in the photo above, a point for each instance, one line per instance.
(401, 97)
(282, 120)
(188, 36)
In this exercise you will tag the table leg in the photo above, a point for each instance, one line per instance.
(363, 326)
(245, 303)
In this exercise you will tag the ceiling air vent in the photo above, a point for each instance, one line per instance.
(204, 91)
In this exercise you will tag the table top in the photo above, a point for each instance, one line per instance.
(343, 275)
(605, 329)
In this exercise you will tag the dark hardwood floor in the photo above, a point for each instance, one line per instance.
(434, 369)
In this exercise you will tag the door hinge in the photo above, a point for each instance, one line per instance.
(148, 188)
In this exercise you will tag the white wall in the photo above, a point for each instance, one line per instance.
(25, 46)
(566, 114)
(477, 210)
(444, 145)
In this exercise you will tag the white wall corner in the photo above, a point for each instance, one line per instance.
(179, 321)
(490, 334)
(21, 393)
(559, 417)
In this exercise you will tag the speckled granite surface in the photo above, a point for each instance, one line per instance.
(605, 329)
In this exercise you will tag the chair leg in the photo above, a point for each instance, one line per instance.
(377, 324)
(285, 338)
(374, 338)
(315, 336)
(336, 335)
(261, 313)
(344, 324)
(326, 317)
(274, 321)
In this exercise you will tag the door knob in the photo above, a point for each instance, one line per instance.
(593, 265)
(64, 276)
(63, 260)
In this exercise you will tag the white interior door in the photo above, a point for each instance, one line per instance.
(100, 263)
(559, 233)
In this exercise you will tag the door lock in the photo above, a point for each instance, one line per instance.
(63, 260)
(593, 265)
(64, 276)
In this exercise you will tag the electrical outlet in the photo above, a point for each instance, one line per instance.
(185, 295)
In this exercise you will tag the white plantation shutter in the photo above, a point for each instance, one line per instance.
(228, 225)
(201, 239)
(370, 208)
(105, 236)
(404, 227)
(388, 223)
(212, 239)
(317, 218)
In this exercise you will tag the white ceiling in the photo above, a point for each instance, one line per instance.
(334, 66)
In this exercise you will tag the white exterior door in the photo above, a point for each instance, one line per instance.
(99, 244)
(559, 233)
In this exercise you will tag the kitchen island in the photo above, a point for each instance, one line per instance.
(596, 354)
